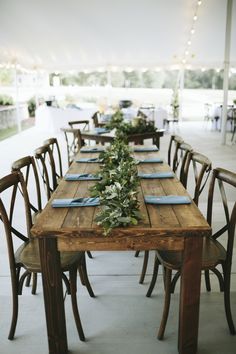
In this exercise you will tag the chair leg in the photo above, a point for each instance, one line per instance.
(144, 268)
(207, 280)
(174, 281)
(27, 283)
(89, 254)
(73, 290)
(154, 277)
(34, 285)
(220, 278)
(227, 304)
(15, 306)
(83, 270)
(168, 274)
(81, 275)
(136, 254)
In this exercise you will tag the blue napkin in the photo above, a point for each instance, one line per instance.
(101, 130)
(167, 199)
(95, 149)
(84, 159)
(82, 177)
(145, 149)
(156, 175)
(157, 160)
(77, 202)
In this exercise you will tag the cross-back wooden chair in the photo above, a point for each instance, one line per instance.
(200, 166)
(95, 117)
(73, 142)
(25, 259)
(28, 168)
(54, 146)
(46, 166)
(215, 255)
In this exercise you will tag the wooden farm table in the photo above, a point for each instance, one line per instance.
(176, 227)
(136, 138)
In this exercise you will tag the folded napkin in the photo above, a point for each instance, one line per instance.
(167, 199)
(145, 149)
(101, 130)
(82, 177)
(157, 160)
(156, 175)
(77, 202)
(84, 159)
(95, 149)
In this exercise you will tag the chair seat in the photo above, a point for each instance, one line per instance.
(28, 256)
(213, 253)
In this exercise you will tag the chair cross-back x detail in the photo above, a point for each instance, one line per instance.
(54, 146)
(73, 142)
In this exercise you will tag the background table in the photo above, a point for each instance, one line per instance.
(136, 138)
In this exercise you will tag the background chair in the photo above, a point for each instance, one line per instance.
(46, 165)
(28, 168)
(175, 142)
(25, 259)
(215, 254)
(73, 142)
(77, 124)
(54, 146)
(96, 122)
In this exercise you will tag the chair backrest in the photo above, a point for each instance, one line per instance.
(14, 199)
(200, 166)
(73, 142)
(222, 205)
(53, 143)
(178, 151)
(95, 118)
(180, 158)
(78, 123)
(46, 165)
(28, 168)
(175, 142)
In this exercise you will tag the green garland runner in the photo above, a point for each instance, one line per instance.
(118, 188)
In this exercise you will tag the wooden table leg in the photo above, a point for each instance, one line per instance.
(53, 296)
(190, 296)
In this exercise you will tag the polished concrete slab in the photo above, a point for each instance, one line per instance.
(120, 320)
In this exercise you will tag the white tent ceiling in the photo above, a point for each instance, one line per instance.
(95, 34)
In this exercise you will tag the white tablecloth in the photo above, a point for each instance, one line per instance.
(52, 119)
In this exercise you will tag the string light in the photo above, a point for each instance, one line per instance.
(191, 32)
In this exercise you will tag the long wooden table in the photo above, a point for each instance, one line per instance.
(176, 227)
(136, 138)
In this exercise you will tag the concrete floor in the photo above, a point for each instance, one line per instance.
(120, 319)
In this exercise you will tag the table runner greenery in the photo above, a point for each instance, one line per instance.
(138, 125)
(118, 188)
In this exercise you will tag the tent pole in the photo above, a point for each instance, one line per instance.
(108, 87)
(226, 70)
(181, 90)
(17, 100)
